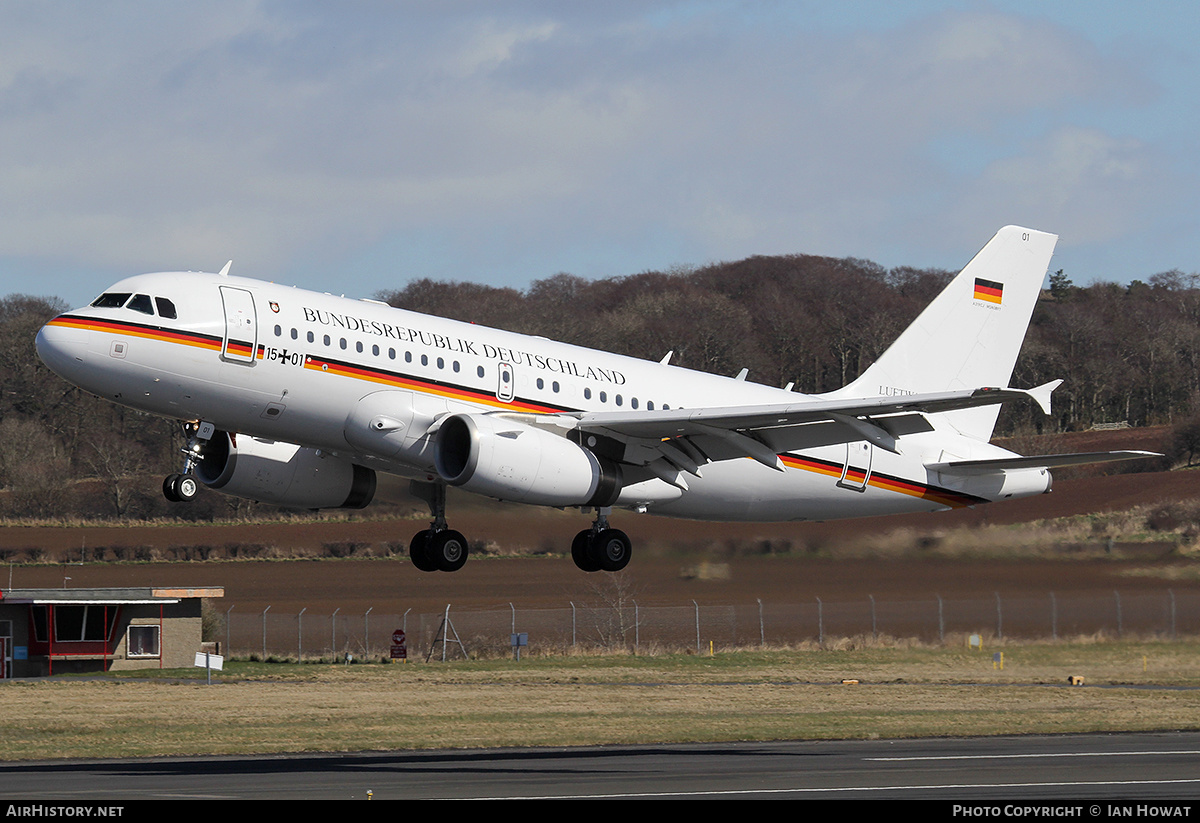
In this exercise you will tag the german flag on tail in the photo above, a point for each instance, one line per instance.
(988, 290)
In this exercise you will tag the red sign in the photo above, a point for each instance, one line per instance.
(399, 648)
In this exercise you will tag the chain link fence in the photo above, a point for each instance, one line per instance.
(696, 626)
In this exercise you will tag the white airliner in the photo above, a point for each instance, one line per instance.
(298, 399)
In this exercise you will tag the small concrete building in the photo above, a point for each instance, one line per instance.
(52, 631)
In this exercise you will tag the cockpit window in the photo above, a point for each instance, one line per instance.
(111, 300)
(165, 308)
(141, 303)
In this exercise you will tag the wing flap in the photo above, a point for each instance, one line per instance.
(1044, 461)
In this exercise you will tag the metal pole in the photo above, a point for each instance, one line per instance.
(367, 633)
(300, 635)
(1172, 593)
(820, 623)
(264, 627)
(572, 602)
(941, 621)
(637, 628)
(762, 630)
(1053, 616)
(333, 632)
(697, 606)
(226, 630)
(999, 619)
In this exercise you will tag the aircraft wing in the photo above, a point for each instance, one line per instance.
(670, 441)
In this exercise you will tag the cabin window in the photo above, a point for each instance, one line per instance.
(441, 363)
(295, 334)
(554, 386)
(633, 402)
(310, 337)
(165, 308)
(479, 371)
(649, 405)
(541, 384)
(375, 350)
(278, 330)
(424, 360)
(359, 347)
(603, 397)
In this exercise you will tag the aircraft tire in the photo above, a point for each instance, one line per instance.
(169, 492)
(611, 548)
(581, 552)
(186, 488)
(448, 550)
(418, 551)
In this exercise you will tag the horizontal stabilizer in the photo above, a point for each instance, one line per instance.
(1037, 461)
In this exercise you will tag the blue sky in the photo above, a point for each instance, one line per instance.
(353, 147)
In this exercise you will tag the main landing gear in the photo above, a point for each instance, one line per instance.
(437, 548)
(440, 548)
(183, 487)
(601, 548)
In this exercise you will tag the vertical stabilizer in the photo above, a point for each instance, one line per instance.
(970, 335)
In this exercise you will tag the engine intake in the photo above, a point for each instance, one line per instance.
(284, 474)
(510, 460)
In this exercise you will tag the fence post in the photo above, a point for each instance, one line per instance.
(941, 620)
(264, 627)
(762, 632)
(300, 635)
(697, 607)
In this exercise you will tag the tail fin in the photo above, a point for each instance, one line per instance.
(970, 335)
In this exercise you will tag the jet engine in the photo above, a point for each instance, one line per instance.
(510, 460)
(283, 474)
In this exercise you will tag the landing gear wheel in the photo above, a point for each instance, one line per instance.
(169, 488)
(186, 488)
(180, 488)
(581, 552)
(448, 550)
(418, 551)
(611, 549)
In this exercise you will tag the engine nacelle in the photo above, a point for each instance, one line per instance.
(283, 474)
(509, 460)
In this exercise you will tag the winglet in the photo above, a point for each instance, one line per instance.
(1041, 394)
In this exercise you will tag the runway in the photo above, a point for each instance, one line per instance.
(1101, 772)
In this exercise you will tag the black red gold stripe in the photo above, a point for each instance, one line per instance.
(988, 290)
(885, 482)
(944, 497)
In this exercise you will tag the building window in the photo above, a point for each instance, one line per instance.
(143, 641)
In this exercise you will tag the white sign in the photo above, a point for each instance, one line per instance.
(209, 661)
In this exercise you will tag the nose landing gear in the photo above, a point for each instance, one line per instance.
(183, 487)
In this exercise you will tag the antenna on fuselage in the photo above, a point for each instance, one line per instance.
(225, 271)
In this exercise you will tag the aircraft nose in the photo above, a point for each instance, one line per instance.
(62, 348)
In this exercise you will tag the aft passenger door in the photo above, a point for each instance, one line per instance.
(241, 325)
